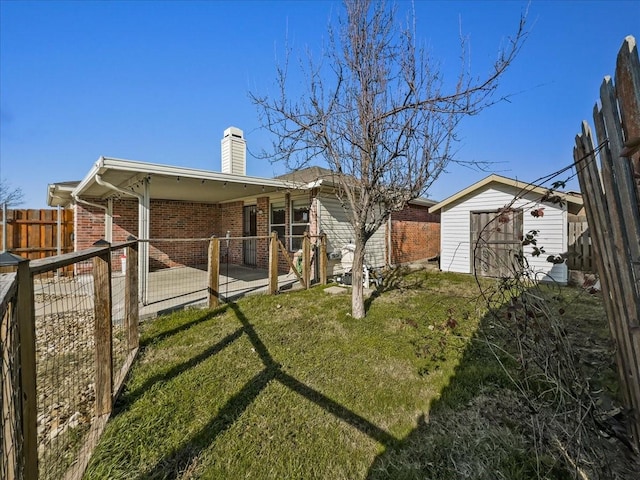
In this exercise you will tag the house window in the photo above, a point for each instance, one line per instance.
(278, 219)
(299, 222)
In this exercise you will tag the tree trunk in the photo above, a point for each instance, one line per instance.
(357, 296)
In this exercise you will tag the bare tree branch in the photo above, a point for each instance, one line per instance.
(10, 195)
(376, 111)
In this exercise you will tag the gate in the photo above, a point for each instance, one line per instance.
(495, 240)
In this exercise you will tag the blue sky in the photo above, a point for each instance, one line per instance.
(160, 81)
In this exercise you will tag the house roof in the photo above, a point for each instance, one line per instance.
(118, 177)
(316, 176)
(113, 177)
(574, 200)
(308, 175)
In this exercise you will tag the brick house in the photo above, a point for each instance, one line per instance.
(118, 198)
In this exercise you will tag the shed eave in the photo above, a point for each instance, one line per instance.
(574, 200)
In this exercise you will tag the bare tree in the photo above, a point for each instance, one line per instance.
(376, 111)
(10, 195)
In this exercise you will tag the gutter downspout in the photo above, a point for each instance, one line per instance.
(143, 232)
(77, 199)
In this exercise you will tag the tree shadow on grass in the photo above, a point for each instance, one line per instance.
(461, 431)
(180, 459)
(130, 397)
(181, 328)
(482, 427)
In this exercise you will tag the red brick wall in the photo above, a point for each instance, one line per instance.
(416, 213)
(231, 221)
(174, 219)
(88, 227)
(169, 219)
(262, 254)
(415, 234)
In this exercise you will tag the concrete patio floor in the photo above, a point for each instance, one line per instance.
(186, 287)
(168, 290)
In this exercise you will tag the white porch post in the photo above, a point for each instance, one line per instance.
(143, 234)
(108, 221)
(59, 231)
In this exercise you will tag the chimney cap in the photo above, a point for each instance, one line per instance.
(233, 132)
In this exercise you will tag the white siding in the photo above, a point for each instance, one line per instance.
(234, 152)
(455, 241)
(334, 222)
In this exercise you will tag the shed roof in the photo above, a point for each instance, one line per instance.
(574, 200)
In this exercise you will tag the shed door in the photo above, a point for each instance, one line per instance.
(495, 241)
(250, 229)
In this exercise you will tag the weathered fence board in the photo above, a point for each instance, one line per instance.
(27, 331)
(612, 208)
(580, 248)
(628, 91)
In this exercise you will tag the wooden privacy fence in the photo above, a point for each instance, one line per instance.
(611, 199)
(72, 339)
(38, 233)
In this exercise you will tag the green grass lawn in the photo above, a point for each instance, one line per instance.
(292, 387)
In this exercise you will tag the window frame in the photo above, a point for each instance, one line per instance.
(276, 226)
(297, 242)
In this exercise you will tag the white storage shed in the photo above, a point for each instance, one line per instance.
(482, 228)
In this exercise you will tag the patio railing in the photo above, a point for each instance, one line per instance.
(186, 272)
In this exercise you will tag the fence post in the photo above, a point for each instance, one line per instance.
(103, 329)
(131, 296)
(4, 227)
(273, 263)
(323, 259)
(214, 272)
(27, 335)
(10, 394)
(306, 260)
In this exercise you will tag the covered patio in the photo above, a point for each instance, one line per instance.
(172, 203)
